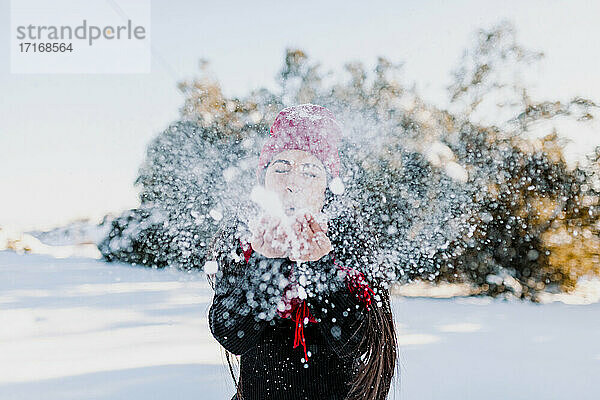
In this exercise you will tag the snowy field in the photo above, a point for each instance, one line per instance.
(78, 328)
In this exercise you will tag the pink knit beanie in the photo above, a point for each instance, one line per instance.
(307, 127)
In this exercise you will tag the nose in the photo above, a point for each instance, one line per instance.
(293, 183)
(290, 185)
(293, 187)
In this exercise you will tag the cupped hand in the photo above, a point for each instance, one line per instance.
(270, 238)
(312, 242)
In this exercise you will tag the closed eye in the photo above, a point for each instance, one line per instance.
(311, 170)
(282, 166)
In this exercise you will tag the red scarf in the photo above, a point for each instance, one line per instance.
(298, 310)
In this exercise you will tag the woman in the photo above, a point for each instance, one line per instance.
(289, 297)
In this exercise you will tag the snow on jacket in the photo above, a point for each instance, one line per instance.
(307, 352)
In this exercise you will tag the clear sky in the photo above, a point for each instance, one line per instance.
(70, 145)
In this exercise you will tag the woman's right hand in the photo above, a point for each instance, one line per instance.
(270, 239)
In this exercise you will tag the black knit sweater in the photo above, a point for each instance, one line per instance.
(243, 318)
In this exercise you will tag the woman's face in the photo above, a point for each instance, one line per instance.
(299, 178)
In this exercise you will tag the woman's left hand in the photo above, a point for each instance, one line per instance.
(314, 243)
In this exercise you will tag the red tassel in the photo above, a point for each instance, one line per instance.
(298, 311)
(246, 249)
(302, 312)
(357, 284)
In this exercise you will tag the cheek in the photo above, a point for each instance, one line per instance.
(320, 186)
(317, 192)
(275, 182)
(268, 178)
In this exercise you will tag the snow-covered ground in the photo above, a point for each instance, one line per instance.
(77, 328)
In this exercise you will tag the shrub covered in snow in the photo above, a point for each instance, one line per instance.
(461, 194)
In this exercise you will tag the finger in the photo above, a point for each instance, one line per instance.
(264, 221)
(302, 224)
(262, 228)
(320, 241)
(280, 235)
(279, 254)
(305, 237)
(277, 235)
(305, 225)
(297, 226)
(280, 240)
(269, 233)
(255, 225)
(268, 221)
(314, 225)
(258, 241)
(276, 229)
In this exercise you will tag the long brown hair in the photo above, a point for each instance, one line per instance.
(376, 365)
(372, 379)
